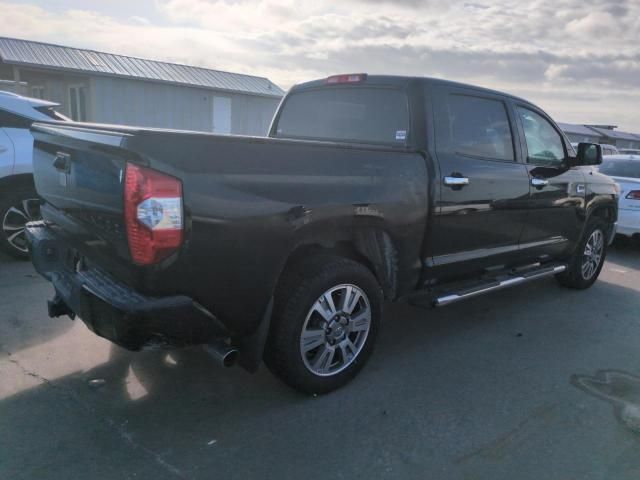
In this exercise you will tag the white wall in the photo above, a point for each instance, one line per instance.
(149, 104)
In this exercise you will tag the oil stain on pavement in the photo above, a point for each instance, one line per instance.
(621, 389)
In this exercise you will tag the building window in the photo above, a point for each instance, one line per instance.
(78, 102)
(37, 91)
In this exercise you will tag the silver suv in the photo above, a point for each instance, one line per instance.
(18, 200)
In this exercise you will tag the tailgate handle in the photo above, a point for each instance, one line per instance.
(62, 162)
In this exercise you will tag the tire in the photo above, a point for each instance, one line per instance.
(578, 275)
(337, 341)
(17, 207)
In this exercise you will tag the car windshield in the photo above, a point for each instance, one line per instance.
(346, 114)
(621, 168)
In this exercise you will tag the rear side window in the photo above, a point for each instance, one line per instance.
(479, 127)
(621, 168)
(346, 114)
(51, 113)
(544, 143)
(11, 120)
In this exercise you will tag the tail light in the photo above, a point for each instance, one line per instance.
(153, 214)
(350, 78)
(633, 195)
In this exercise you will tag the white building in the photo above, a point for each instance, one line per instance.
(107, 88)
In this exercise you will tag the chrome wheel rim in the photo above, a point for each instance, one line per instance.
(335, 330)
(592, 254)
(14, 222)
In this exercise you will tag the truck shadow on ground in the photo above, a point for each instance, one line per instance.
(23, 307)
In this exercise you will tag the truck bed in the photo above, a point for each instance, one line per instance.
(249, 203)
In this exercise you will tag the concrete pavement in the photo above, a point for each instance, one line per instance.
(504, 386)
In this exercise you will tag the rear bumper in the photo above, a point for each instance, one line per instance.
(111, 309)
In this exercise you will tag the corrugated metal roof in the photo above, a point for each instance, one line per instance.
(25, 52)
(578, 129)
(618, 135)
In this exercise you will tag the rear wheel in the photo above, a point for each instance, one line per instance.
(326, 319)
(17, 207)
(587, 261)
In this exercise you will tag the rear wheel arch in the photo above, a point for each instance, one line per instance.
(371, 247)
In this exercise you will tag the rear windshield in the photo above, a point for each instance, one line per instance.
(51, 113)
(621, 168)
(346, 114)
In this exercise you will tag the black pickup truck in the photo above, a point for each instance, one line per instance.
(284, 248)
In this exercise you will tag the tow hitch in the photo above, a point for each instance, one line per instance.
(57, 308)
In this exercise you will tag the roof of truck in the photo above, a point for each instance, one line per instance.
(403, 81)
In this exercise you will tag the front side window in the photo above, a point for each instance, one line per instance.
(346, 114)
(479, 127)
(544, 143)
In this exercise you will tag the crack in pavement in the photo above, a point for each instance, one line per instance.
(109, 422)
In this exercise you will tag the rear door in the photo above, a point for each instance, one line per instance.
(484, 187)
(557, 191)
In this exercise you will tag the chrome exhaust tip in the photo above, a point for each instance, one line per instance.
(224, 354)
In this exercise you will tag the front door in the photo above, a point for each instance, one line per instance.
(221, 115)
(484, 188)
(557, 191)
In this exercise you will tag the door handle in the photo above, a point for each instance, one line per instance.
(456, 181)
(539, 182)
(62, 162)
(3, 149)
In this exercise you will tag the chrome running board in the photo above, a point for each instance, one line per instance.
(498, 284)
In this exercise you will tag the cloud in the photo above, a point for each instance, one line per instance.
(556, 52)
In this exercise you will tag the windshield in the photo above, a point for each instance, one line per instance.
(348, 114)
(621, 168)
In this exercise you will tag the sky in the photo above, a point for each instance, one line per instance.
(577, 59)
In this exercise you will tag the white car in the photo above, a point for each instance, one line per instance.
(18, 199)
(625, 170)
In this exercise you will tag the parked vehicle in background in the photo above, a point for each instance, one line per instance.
(629, 151)
(608, 150)
(284, 248)
(18, 199)
(625, 170)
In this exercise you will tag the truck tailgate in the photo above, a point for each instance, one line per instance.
(79, 174)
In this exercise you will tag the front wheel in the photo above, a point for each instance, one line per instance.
(587, 261)
(17, 207)
(326, 318)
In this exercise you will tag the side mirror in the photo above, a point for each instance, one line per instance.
(588, 154)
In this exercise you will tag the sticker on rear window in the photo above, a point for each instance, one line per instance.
(401, 134)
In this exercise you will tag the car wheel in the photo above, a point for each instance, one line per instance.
(587, 261)
(327, 314)
(17, 208)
